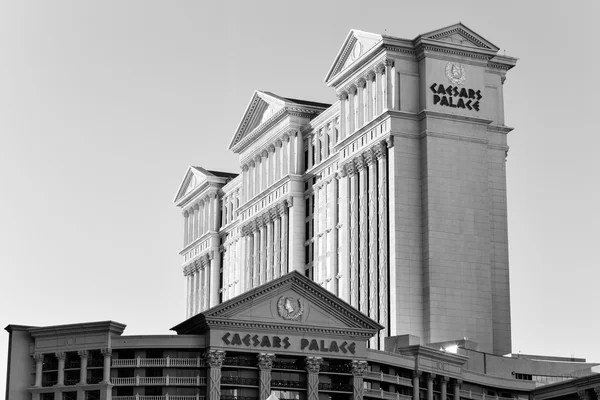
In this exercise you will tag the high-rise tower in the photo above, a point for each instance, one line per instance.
(393, 198)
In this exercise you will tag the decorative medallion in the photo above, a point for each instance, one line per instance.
(289, 308)
(456, 73)
(356, 51)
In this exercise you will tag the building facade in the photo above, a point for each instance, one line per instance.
(393, 198)
(360, 252)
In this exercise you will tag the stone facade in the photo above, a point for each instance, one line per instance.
(393, 198)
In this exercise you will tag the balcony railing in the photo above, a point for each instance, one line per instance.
(237, 380)
(344, 369)
(71, 381)
(49, 383)
(388, 378)
(159, 381)
(382, 394)
(238, 398)
(94, 379)
(337, 387)
(239, 362)
(158, 362)
(286, 365)
(164, 397)
(288, 384)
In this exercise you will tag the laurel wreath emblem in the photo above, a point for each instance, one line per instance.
(289, 308)
(456, 73)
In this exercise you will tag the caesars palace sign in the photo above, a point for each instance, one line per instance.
(453, 95)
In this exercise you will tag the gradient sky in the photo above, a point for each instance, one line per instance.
(104, 104)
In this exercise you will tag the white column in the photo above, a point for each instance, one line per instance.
(285, 156)
(202, 289)
(373, 217)
(271, 165)
(256, 251)
(206, 286)
(269, 224)
(257, 175)
(370, 95)
(249, 267)
(188, 283)
(377, 89)
(39, 361)
(251, 184)
(361, 103)
(61, 368)
(186, 216)
(278, 160)
(225, 273)
(353, 235)
(216, 220)
(323, 231)
(263, 252)
(194, 294)
(326, 140)
(215, 267)
(277, 245)
(363, 255)
(205, 215)
(264, 170)
(351, 111)
(284, 240)
(383, 246)
(381, 88)
(310, 148)
(340, 237)
(389, 84)
(343, 97)
(83, 359)
(107, 353)
(197, 288)
(316, 239)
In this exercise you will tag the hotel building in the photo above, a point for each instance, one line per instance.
(361, 251)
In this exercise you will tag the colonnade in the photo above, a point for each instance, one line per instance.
(270, 164)
(233, 282)
(320, 144)
(367, 97)
(364, 221)
(265, 246)
(62, 356)
(201, 217)
(325, 245)
(198, 276)
(230, 204)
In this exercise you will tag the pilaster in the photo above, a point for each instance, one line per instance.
(214, 359)
(358, 370)
(265, 364)
(313, 366)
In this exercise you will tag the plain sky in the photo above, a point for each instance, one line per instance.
(104, 104)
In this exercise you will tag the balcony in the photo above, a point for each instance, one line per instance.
(336, 387)
(380, 376)
(286, 365)
(288, 384)
(339, 369)
(165, 397)
(159, 381)
(382, 394)
(237, 380)
(238, 362)
(158, 362)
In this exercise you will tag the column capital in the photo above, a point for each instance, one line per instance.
(313, 364)
(380, 68)
(352, 89)
(106, 352)
(245, 167)
(458, 382)
(186, 214)
(83, 353)
(285, 137)
(417, 374)
(370, 75)
(389, 62)
(445, 379)
(379, 150)
(358, 367)
(431, 376)
(61, 355)
(359, 162)
(257, 158)
(361, 83)
(271, 148)
(214, 358)
(265, 361)
(38, 356)
(196, 206)
(251, 163)
(389, 141)
(278, 143)
(369, 157)
(264, 153)
(342, 95)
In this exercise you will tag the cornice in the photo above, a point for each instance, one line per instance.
(83, 328)
(453, 117)
(207, 235)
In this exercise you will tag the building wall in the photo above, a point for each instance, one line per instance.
(19, 372)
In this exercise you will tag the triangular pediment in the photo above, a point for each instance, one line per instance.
(356, 44)
(292, 302)
(262, 107)
(197, 177)
(459, 34)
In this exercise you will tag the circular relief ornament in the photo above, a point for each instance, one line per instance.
(356, 51)
(289, 308)
(456, 73)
